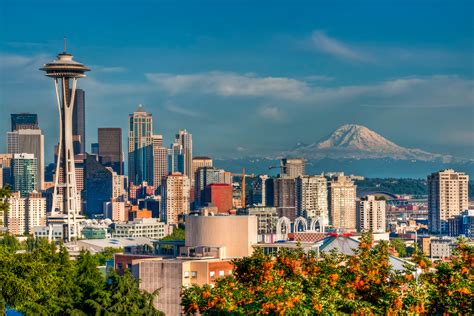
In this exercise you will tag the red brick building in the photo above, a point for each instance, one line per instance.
(220, 195)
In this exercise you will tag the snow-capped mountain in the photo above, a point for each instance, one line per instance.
(358, 142)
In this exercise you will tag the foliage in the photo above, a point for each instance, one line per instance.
(399, 246)
(4, 195)
(177, 234)
(45, 281)
(296, 283)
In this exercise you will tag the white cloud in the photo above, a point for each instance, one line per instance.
(323, 43)
(271, 113)
(105, 69)
(181, 110)
(230, 84)
(430, 91)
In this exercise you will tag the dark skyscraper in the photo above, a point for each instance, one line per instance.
(24, 121)
(110, 148)
(79, 122)
(98, 186)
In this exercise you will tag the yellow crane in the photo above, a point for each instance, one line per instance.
(242, 186)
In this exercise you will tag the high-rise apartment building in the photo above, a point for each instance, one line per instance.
(342, 203)
(185, 139)
(447, 197)
(292, 168)
(24, 174)
(160, 160)
(25, 213)
(371, 214)
(140, 147)
(35, 211)
(24, 121)
(79, 122)
(259, 191)
(110, 148)
(30, 141)
(174, 197)
(312, 197)
(285, 197)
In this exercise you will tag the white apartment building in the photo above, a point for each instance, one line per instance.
(371, 214)
(447, 198)
(312, 197)
(143, 227)
(174, 197)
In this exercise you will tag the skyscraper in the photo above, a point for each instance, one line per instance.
(65, 72)
(206, 176)
(447, 198)
(110, 148)
(160, 160)
(312, 197)
(185, 139)
(24, 213)
(176, 158)
(174, 198)
(285, 197)
(342, 203)
(30, 141)
(140, 147)
(5, 161)
(24, 173)
(371, 214)
(79, 121)
(24, 121)
(199, 162)
(292, 168)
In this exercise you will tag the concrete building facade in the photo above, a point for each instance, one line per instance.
(342, 203)
(447, 198)
(312, 197)
(371, 214)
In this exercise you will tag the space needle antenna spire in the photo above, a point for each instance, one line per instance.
(66, 200)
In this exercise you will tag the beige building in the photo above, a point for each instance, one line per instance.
(143, 227)
(292, 168)
(200, 162)
(371, 214)
(233, 235)
(447, 197)
(175, 190)
(25, 213)
(171, 275)
(312, 197)
(116, 211)
(160, 160)
(342, 203)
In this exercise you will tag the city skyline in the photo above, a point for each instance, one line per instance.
(298, 79)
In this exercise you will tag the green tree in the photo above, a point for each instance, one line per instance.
(177, 234)
(399, 246)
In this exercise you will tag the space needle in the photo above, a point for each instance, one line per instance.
(66, 200)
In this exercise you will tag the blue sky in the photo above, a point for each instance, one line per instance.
(248, 78)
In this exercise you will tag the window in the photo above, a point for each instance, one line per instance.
(212, 274)
(194, 274)
(221, 273)
(186, 274)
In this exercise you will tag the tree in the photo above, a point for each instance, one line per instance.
(399, 246)
(177, 234)
(4, 195)
(297, 283)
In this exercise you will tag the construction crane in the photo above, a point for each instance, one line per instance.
(242, 186)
